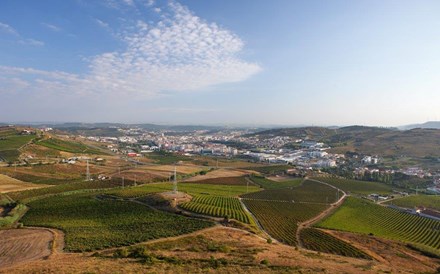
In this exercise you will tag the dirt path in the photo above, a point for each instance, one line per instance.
(195, 233)
(321, 215)
(256, 220)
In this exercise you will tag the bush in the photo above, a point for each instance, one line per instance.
(265, 262)
(269, 240)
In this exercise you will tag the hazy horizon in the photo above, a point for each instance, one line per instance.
(189, 62)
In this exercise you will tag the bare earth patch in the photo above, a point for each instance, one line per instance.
(8, 184)
(19, 246)
(243, 251)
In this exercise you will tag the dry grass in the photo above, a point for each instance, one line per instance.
(242, 250)
(18, 246)
(8, 184)
(184, 169)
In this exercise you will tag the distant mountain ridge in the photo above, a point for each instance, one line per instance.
(429, 124)
(417, 142)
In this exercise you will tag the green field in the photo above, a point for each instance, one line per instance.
(29, 195)
(308, 191)
(190, 188)
(362, 216)
(280, 219)
(315, 239)
(166, 158)
(218, 207)
(68, 146)
(91, 224)
(429, 201)
(9, 145)
(270, 169)
(358, 187)
(269, 184)
(241, 181)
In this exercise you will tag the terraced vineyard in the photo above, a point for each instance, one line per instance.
(239, 181)
(429, 201)
(280, 219)
(308, 191)
(359, 187)
(68, 146)
(218, 207)
(91, 224)
(366, 217)
(269, 184)
(315, 239)
(190, 188)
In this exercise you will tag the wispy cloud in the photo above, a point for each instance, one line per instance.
(182, 52)
(5, 28)
(31, 42)
(51, 27)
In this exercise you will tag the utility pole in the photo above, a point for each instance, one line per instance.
(135, 180)
(119, 170)
(247, 185)
(123, 183)
(175, 181)
(87, 172)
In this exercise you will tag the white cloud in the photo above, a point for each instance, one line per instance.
(51, 27)
(180, 53)
(32, 42)
(8, 29)
(102, 23)
(149, 3)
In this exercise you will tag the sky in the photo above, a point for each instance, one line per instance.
(230, 62)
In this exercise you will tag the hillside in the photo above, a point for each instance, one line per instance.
(419, 142)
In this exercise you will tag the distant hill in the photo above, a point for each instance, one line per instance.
(420, 142)
(430, 124)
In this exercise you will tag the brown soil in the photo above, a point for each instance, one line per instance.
(8, 184)
(20, 246)
(394, 254)
(244, 252)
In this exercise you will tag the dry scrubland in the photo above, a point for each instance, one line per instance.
(228, 250)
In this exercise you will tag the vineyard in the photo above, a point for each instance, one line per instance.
(280, 219)
(269, 184)
(308, 191)
(366, 217)
(240, 181)
(91, 224)
(68, 146)
(190, 188)
(218, 207)
(315, 239)
(429, 201)
(27, 195)
(359, 187)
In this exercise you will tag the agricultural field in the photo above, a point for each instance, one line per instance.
(358, 187)
(69, 146)
(219, 173)
(190, 188)
(239, 181)
(270, 184)
(91, 224)
(307, 192)
(270, 169)
(429, 201)
(218, 207)
(78, 186)
(315, 239)
(8, 184)
(366, 217)
(280, 219)
(23, 245)
(9, 145)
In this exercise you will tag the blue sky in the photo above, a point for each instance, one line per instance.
(230, 62)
